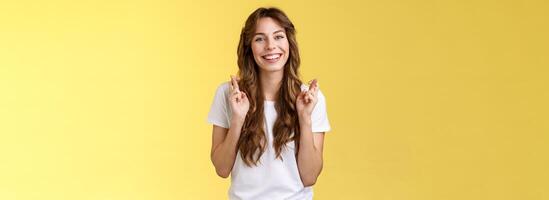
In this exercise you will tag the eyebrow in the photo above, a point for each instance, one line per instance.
(266, 34)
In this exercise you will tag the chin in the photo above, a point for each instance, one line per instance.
(271, 68)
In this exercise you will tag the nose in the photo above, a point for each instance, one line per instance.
(270, 45)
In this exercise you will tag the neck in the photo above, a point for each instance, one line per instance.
(270, 84)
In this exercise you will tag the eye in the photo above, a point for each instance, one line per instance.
(258, 39)
(279, 37)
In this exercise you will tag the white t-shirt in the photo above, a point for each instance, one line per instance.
(272, 178)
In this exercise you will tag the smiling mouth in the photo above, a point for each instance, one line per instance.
(272, 57)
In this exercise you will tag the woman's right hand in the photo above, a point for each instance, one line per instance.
(239, 101)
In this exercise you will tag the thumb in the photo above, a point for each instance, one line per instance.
(301, 95)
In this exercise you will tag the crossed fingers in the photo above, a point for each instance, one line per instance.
(235, 90)
(311, 94)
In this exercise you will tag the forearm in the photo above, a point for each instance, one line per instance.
(309, 158)
(224, 154)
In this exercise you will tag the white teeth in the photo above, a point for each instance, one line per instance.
(271, 56)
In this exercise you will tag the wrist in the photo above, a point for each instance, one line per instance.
(237, 121)
(305, 119)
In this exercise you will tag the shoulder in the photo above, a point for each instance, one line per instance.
(222, 92)
(223, 88)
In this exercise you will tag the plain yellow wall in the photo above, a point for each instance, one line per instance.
(107, 100)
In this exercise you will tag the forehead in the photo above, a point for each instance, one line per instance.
(267, 25)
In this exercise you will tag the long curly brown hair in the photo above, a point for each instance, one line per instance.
(252, 142)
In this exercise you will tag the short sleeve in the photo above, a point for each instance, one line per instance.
(219, 110)
(319, 117)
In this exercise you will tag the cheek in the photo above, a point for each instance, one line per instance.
(286, 51)
(255, 50)
(286, 46)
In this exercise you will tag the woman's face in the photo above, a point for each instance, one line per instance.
(270, 45)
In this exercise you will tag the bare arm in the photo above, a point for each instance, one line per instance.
(309, 157)
(225, 141)
(224, 147)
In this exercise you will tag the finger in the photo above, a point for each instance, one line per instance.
(231, 87)
(314, 86)
(314, 92)
(235, 95)
(304, 97)
(300, 96)
(310, 97)
(245, 98)
(234, 83)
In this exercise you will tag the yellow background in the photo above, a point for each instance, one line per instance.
(107, 100)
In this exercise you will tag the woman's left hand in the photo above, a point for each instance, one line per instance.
(306, 100)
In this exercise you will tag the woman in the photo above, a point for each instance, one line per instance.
(268, 127)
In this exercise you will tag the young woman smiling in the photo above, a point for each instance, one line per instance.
(268, 127)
